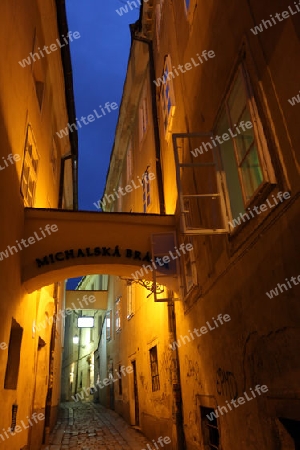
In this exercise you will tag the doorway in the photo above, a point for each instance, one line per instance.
(136, 395)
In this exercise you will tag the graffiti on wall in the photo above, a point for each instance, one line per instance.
(226, 384)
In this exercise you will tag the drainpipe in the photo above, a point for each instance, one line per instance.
(161, 197)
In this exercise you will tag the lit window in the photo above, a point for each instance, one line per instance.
(108, 325)
(143, 118)
(244, 155)
(130, 300)
(30, 167)
(118, 314)
(190, 270)
(146, 192)
(210, 430)
(167, 98)
(154, 369)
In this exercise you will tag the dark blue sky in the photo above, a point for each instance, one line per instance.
(99, 60)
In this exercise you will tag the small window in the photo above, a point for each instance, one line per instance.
(118, 314)
(30, 168)
(210, 430)
(146, 192)
(154, 369)
(190, 270)
(167, 98)
(130, 300)
(108, 325)
(13, 360)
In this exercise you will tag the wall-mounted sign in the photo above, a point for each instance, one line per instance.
(115, 252)
(85, 322)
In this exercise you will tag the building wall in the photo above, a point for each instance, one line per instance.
(19, 108)
(235, 271)
(227, 273)
(80, 363)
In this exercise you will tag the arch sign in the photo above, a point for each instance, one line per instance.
(67, 244)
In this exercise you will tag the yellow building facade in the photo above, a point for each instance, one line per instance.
(38, 170)
(206, 113)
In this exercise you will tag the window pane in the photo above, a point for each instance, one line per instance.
(237, 100)
(230, 168)
(245, 138)
(251, 173)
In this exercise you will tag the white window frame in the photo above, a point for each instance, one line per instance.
(167, 93)
(118, 314)
(184, 195)
(146, 192)
(30, 169)
(259, 137)
(130, 300)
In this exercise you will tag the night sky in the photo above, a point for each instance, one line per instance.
(99, 60)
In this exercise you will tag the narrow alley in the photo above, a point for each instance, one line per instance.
(89, 426)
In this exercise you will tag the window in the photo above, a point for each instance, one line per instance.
(167, 98)
(13, 360)
(146, 192)
(130, 300)
(129, 163)
(108, 325)
(118, 314)
(244, 156)
(210, 431)
(190, 270)
(228, 168)
(143, 116)
(154, 369)
(30, 167)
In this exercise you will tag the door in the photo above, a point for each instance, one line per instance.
(136, 396)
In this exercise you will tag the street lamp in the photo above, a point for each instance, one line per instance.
(76, 339)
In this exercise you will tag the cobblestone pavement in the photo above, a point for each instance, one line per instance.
(89, 426)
